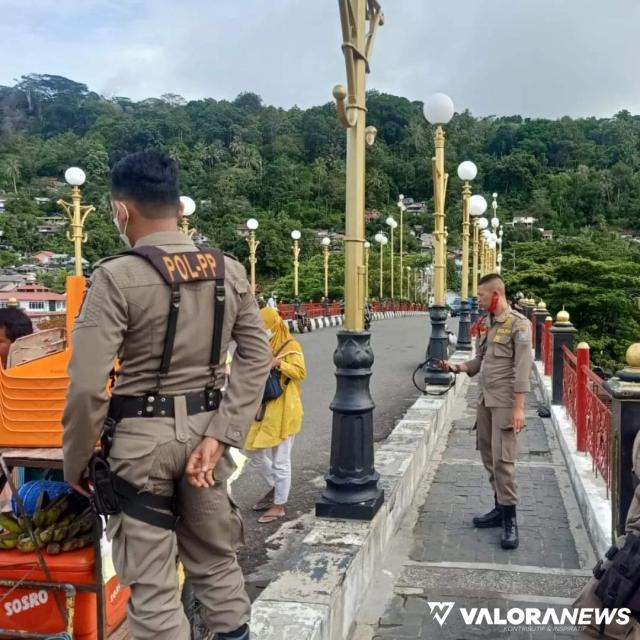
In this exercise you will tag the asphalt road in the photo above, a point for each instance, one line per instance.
(399, 345)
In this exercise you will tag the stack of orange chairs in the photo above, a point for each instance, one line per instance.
(32, 395)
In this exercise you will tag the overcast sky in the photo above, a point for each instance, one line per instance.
(531, 57)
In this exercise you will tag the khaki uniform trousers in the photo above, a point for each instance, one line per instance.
(152, 455)
(587, 597)
(498, 446)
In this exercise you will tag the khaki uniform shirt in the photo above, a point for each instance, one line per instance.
(124, 316)
(503, 358)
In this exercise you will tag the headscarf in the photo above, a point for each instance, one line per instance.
(280, 332)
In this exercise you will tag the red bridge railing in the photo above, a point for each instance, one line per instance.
(589, 406)
(317, 309)
(597, 417)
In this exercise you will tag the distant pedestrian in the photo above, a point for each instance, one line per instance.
(271, 302)
(270, 440)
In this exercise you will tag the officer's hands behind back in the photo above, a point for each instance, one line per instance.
(202, 461)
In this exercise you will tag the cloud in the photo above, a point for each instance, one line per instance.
(535, 58)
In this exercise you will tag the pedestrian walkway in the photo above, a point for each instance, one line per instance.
(440, 557)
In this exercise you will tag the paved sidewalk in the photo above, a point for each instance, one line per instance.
(442, 558)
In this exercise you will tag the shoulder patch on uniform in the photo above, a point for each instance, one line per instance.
(522, 336)
(107, 259)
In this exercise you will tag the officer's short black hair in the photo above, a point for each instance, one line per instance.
(491, 278)
(16, 323)
(148, 178)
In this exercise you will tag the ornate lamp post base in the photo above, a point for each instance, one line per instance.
(352, 482)
(464, 333)
(438, 347)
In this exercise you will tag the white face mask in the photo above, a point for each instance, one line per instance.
(122, 234)
(269, 334)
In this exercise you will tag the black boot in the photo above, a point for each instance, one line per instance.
(509, 538)
(491, 519)
(239, 634)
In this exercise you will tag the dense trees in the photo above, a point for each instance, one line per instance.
(596, 277)
(242, 159)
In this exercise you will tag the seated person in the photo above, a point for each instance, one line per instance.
(14, 324)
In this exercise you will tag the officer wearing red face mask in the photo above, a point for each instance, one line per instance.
(503, 361)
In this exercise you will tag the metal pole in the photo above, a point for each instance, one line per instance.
(439, 342)
(76, 230)
(401, 236)
(392, 292)
(464, 334)
(474, 275)
(296, 255)
(381, 271)
(438, 216)
(366, 272)
(352, 482)
(326, 272)
(253, 245)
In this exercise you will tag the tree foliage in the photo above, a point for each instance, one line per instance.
(595, 276)
(242, 159)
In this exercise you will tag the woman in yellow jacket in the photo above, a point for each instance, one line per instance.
(270, 438)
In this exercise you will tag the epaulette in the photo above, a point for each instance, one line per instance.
(102, 261)
(230, 255)
(517, 314)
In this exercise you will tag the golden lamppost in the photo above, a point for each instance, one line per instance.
(188, 209)
(483, 223)
(446, 260)
(352, 482)
(367, 247)
(252, 225)
(382, 240)
(401, 251)
(77, 214)
(325, 243)
(392, 224)
(477, 207)
(295, 236)
(438, 111)
(467, 171)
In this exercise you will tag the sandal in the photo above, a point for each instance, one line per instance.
(266, 502)
(262, 506)
(269, 518)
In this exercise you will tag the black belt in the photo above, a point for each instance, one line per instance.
(162, 406)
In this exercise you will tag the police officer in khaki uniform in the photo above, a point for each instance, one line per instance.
(503, 360)
(612, 586)
(172, 426)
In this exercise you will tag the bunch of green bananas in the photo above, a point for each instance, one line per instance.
(55, 527)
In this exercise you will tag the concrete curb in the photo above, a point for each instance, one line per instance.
(590, 491)
(319, 596)
(337, 321)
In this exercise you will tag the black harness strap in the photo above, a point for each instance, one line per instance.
(172, 325)
(180, 268)
(218, 321)
(145, 506)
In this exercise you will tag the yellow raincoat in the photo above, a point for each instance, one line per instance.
(283, 415)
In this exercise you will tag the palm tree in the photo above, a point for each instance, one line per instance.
(11, 170)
